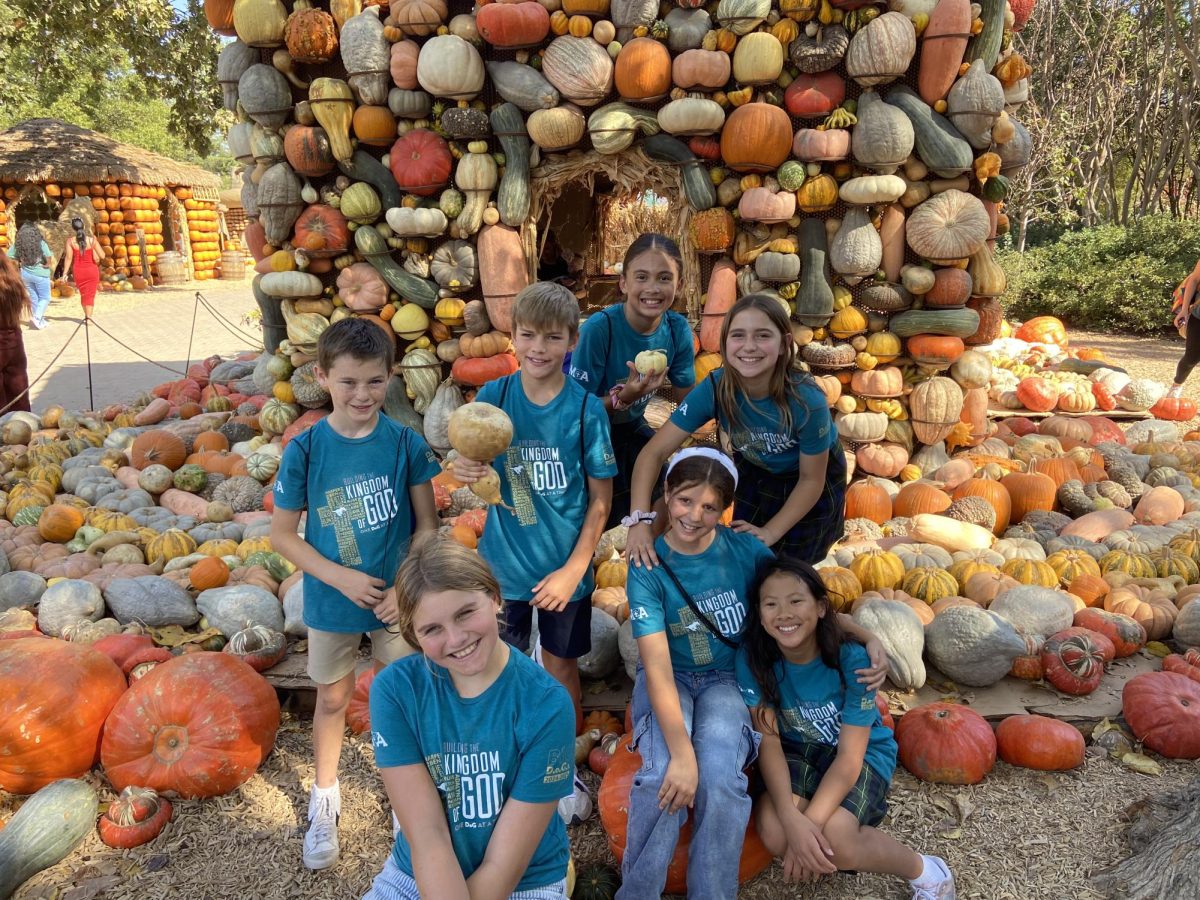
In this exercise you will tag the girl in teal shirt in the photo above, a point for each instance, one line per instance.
(475, 743)
(826, 757)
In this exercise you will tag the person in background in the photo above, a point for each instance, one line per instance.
(33, 254)
(1187, 320)
(84, 254)
(14, 303)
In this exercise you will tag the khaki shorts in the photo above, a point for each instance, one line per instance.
(332, 654)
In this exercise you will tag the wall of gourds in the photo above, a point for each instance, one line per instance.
(850, 156)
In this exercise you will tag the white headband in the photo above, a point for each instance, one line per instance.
(707, 453)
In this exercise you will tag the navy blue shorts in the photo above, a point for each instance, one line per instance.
(566, 634)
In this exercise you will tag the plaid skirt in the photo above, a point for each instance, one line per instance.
(809, 761)
(761, 494)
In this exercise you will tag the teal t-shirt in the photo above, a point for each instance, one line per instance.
(607, 342)
(814, 703)
(760, 436)
(39, 270)
(359, 514)
(719, 580)
(516, 739)
(543, 476)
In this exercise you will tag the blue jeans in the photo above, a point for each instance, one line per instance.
(39, 293)
(716, 717)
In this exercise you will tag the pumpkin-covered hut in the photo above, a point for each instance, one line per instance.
(45, 164)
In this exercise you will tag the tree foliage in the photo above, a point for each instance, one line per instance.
(1114, 113)
(114, 65)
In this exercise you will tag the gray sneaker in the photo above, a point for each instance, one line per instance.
(321, 840)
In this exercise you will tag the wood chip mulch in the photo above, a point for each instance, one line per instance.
(1019, 834)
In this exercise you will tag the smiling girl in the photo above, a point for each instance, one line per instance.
(690, 723)
(474, 742)
(826, 756)
(610, 340)
(792, 490)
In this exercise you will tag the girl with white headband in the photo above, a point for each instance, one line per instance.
(776, 422)
(689, 720)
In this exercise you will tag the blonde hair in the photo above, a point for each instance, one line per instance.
(435, 563)
(546, 306)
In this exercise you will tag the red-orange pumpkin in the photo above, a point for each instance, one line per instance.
(1186, 664)
(308, 151)
(867, 499)
(814, 96)
(1039, 742)
(1037, 394)
(421, 162)
(1174, 409)
(478, 372)
(358, 713)
(951, 288)
(56, 697)
(210, 572)
(1126, 634)
(197, 726)
(513, 25)
(1073, 660)
(322, 231)
(158, 446)
(946, 743)
(1163, 711)
(757, 137)
(1043, 330)
(613, 801)
(935, 349)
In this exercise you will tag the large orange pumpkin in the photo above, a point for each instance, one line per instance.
(994, 493)
(358, 713)
(1039, 742)
(613, 801)
(157, 446)
(1163, 712)
(322, 231)
(946, 743)
(643, 70)
(757, 137)
(198, 725)
(56, 697)
(1043, 330)
(59, 522)
(1029, 491)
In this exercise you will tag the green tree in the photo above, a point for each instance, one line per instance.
(115, 65)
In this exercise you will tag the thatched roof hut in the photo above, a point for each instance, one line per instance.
(49, 150)
(141, 204)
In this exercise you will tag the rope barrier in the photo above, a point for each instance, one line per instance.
(256, 341)
(49, 365)
(134, 352)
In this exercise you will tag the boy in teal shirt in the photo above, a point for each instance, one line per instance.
(557, 476)
(365, 481)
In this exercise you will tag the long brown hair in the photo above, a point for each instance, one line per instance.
(784, 379)
(14, 299)
(437, 563)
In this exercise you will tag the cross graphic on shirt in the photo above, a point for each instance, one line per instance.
(689, 625)
(449, 786)
(340, 513)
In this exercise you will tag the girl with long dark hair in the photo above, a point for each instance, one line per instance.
(14, 301)
(826, 757)
(33, 254)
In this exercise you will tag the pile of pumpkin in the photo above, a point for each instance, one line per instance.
(203, 233)
(379, 183)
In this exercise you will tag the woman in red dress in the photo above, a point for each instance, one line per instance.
(14, 301)
(84, 254)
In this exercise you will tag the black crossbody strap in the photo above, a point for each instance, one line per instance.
(732, 645)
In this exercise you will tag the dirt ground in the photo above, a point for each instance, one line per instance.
(1019, 834)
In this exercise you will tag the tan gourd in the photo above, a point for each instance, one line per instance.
(333, 104)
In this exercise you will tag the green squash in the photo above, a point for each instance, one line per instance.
(596, 883)
(45, 830)
(371, 244)
(191, 478)
(364, 167)
(995, 188)
(814, 300)
(986, 44)
(277, 567)
(697, 185)
(938, 143)
(513, 194)
(953, 322)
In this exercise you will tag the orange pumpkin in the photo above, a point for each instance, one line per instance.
(1029, 491)
(158, 446)
(613, 800)
(722, 292)
(210, 440)
(321, 230)
(59, 522)
(757, 137)
(210, 572)
(56, 697)
(643, 70)
(1044, 330)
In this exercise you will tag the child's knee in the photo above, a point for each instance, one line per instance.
(334, 698)
(770, 829)
(844, 834)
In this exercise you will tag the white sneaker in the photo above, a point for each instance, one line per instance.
(1175, 392)
(937, 886)
(578, 806)
(321, 840)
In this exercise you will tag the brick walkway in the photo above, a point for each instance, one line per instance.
(156, 323)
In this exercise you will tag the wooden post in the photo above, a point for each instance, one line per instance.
(141, 241)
